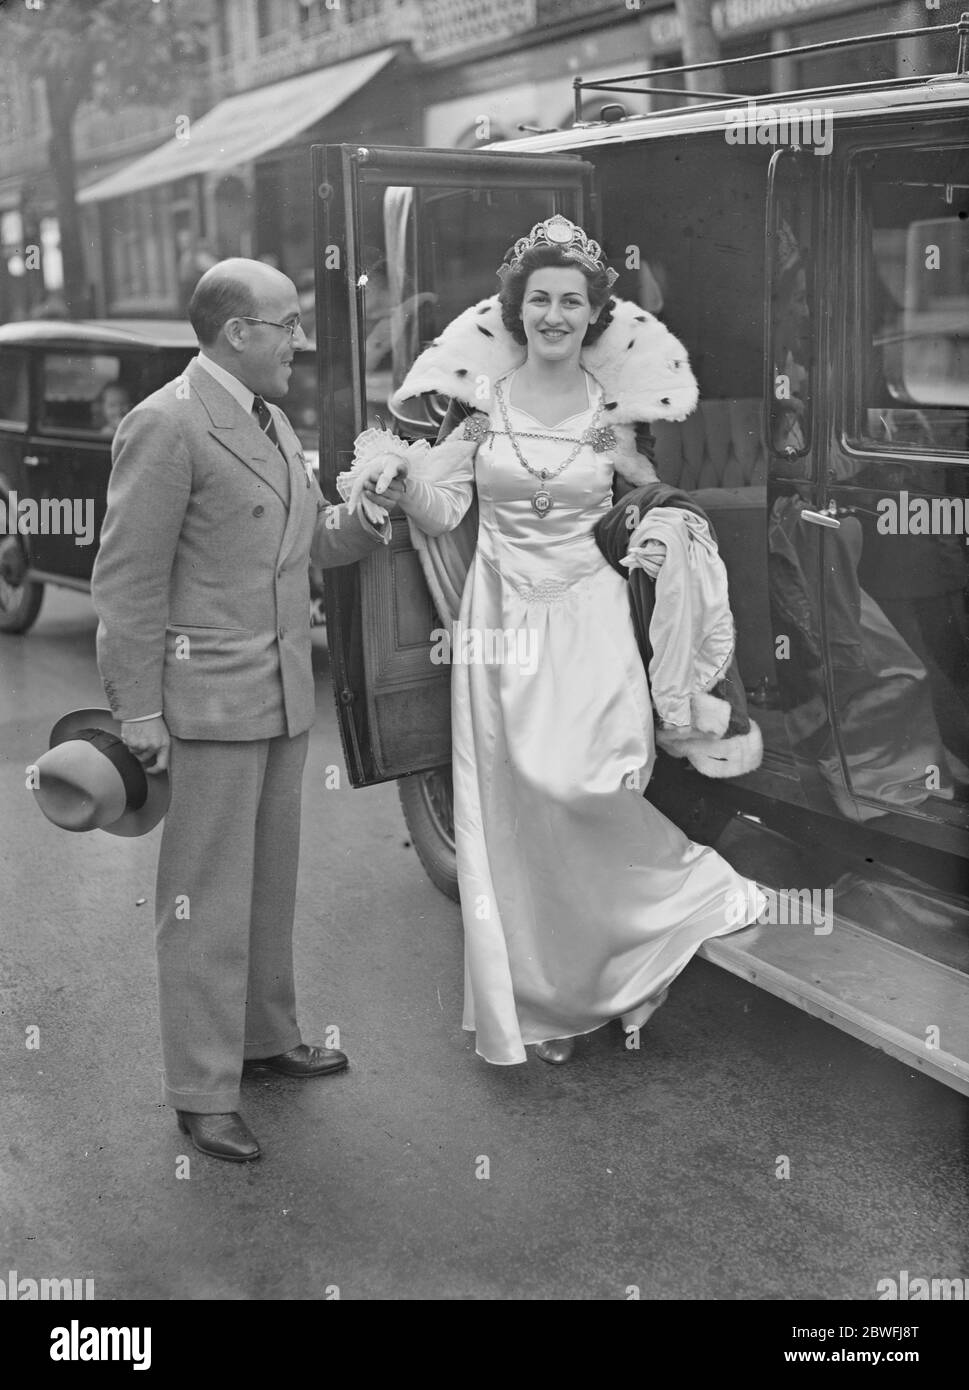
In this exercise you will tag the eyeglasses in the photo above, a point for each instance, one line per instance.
(291, 328)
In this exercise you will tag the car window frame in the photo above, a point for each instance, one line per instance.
(856, 313)
(71, 432)
(18, 426)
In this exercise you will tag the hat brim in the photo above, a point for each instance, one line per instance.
(131, 823)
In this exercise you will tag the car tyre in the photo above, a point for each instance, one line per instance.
(427, 801)
(20, 598)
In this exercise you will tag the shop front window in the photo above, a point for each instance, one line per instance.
(264, 17)
(316, 15)
(223, 25)
(142, 253)
(50, 250)
(865, 63)
(363, 9)
(12, 240)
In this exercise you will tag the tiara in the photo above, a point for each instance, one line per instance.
(564, 236)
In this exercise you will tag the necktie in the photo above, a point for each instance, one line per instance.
(264, 416)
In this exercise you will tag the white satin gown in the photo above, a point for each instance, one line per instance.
(581, 901)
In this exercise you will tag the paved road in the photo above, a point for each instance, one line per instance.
(654, 1170)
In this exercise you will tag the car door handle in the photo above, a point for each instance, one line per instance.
(819, 518)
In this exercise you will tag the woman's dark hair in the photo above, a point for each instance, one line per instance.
(512, 291)
(217, 299)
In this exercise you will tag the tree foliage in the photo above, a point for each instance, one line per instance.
(108, 51)
(113, 53)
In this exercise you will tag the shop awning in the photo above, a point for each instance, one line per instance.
(243, 127)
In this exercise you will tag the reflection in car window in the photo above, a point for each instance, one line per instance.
(110, 407)
(790, 248)
(13, 388)
(426, 255)
(913, 328)
(74, 387)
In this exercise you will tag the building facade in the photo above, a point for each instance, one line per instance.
(223, 168)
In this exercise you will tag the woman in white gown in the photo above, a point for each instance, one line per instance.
(581, 902)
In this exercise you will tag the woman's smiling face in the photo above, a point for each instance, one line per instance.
(556, 313)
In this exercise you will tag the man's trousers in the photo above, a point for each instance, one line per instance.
(225, 900)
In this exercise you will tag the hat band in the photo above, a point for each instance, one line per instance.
(129, 769)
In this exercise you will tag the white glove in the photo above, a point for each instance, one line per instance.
(378, 458)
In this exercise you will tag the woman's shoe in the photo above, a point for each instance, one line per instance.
(556, 1050)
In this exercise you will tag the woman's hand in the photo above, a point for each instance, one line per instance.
(382, 484)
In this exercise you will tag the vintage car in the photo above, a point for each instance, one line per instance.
(811, 250)
(63, 389)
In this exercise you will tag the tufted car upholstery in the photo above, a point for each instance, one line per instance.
(719, 446)
(718, 456)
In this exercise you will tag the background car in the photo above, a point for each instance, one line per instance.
(64, 387)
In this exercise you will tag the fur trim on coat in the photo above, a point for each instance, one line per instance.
(721, 740)
(643, 370)
(715, 755)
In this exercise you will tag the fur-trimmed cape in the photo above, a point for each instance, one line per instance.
(646, 375)
(643, 370)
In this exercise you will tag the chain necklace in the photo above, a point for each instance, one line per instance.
(600, 439)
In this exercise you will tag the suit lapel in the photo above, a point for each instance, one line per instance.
(298, 478)
(240, 434)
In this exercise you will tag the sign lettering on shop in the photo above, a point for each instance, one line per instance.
(453, 25)
(734, 16)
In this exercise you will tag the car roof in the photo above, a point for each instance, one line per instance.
(154, 333)
(934, 94)
(157, 333)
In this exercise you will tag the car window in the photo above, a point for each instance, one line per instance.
(913, 312)
(83, 393)
(13, 388)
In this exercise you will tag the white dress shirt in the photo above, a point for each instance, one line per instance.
(232, 384)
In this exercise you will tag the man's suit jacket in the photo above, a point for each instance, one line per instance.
(201, 582)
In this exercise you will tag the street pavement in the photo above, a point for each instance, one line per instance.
(422, 1172)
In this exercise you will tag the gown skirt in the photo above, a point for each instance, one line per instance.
(580, 901)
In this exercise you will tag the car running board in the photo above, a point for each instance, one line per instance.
(912, 1007)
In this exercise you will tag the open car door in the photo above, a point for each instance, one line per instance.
(405, 240)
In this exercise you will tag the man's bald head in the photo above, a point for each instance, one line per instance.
(234, 288)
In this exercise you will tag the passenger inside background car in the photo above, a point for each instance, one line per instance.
(110, 407)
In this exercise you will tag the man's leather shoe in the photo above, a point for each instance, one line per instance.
(304, 1060)
(220, 1136)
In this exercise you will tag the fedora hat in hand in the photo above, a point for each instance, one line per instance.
(89, 780)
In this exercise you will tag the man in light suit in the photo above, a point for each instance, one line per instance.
(202, 592)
